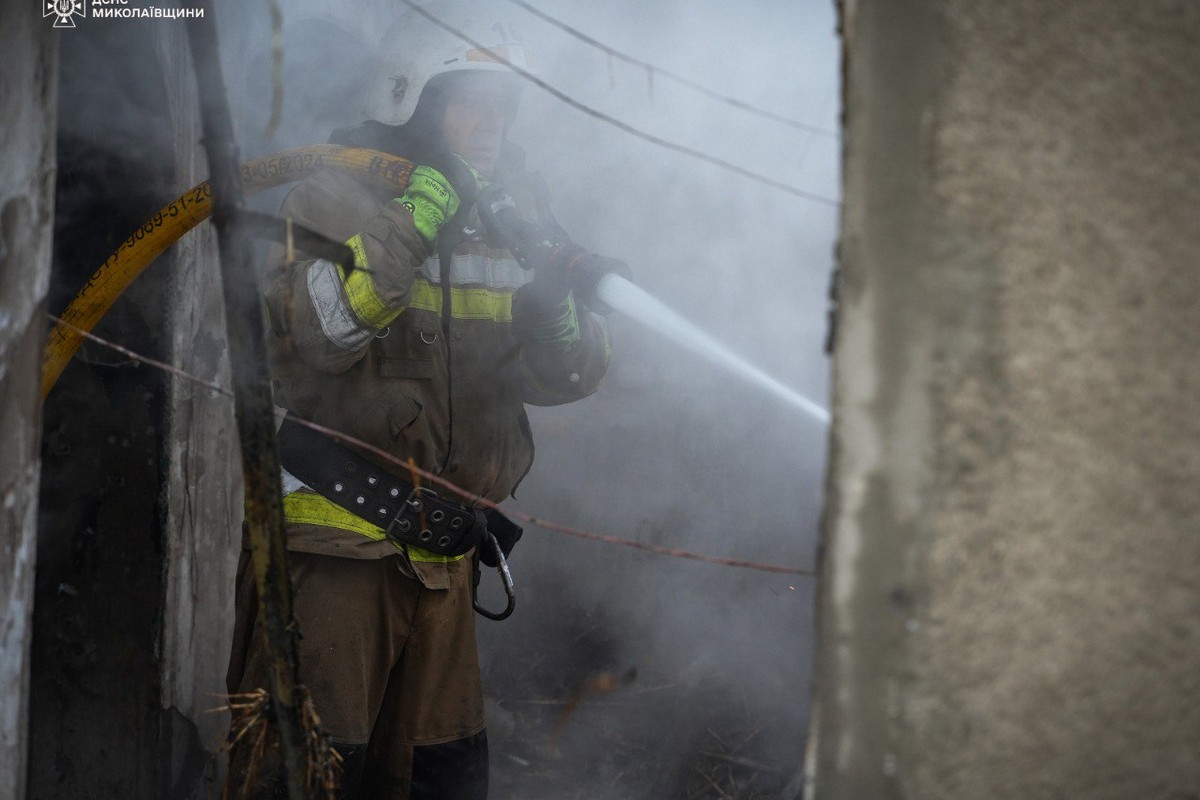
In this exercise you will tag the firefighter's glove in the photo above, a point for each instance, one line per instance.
(544, 311)
(431, 200)
(435, 195)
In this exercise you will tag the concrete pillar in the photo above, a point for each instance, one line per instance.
(1010, 605)
(27, 120)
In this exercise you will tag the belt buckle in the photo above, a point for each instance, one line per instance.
(427, 522)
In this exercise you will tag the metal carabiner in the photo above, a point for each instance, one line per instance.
(505, 576)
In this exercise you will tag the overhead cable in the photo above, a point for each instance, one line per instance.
(652, 70)
(624, 126)
(438, 479)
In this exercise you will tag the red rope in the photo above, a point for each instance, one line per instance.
(438, 479)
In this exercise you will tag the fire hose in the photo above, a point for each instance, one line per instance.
(187, 211)
(195, 205)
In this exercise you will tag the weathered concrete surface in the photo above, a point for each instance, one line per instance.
(203, 486)
(1010, 604)
(27, 119)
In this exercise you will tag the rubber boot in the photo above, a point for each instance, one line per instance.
(455, 770)
(354, 759)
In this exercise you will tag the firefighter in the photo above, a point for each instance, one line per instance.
(428, 350)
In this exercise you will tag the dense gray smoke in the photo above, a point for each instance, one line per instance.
(712, 662)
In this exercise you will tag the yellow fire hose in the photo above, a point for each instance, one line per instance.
(187, 211)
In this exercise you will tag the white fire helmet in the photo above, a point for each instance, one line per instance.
(415, 50)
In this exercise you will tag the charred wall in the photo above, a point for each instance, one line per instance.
(94, 701)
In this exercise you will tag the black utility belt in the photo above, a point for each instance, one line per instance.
(408, 514)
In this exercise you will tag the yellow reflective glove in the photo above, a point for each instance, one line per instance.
(431, 200)
(435, 194)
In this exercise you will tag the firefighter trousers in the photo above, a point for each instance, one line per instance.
(393, 671)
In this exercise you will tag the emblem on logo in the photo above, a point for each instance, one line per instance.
(62, 11)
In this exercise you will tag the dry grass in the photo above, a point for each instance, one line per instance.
(253, 747)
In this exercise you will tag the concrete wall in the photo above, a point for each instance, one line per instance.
(27, 119)
(1010, 605)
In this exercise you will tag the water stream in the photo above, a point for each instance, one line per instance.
(627, 298)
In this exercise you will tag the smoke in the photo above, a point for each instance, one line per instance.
(671, 450)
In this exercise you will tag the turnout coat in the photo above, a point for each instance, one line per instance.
(413, 355)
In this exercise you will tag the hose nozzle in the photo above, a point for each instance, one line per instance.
(545, 246)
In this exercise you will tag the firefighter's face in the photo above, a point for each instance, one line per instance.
(479, 108)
